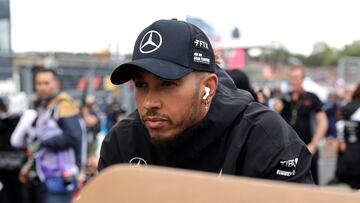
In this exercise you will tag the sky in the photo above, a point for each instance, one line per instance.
(95, 25)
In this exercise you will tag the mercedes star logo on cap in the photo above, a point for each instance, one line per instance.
(150, 42)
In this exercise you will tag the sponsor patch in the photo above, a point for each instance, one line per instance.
(201, 44)
(289, 163)
(285, 173)
(199, 58)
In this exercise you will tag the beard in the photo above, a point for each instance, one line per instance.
(190, 119)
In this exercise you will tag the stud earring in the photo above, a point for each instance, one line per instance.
(206, 104)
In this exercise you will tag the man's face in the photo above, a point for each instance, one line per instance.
(296, 79)
(46, 85)
(167, 107)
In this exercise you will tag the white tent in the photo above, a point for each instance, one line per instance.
(7, 87)
(311, 86)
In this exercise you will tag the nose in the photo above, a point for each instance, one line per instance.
(152, 100)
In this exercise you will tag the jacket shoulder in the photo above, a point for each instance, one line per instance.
(124, 131)
(272, 143)
(66, 106)
(269, 124)
(119, 142)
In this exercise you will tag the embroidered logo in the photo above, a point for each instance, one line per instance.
(285, 173)
(138, 162)
(151, 41)
(289, 163)
(199, 58)
(201, 44)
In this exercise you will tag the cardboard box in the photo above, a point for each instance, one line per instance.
(127, 183)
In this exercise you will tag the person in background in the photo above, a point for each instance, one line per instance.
(241, 81)
(11, 159)
(348, 164)
(264, 95)
(91, 115)
(298, 108)
(58, 144)
(332, 111)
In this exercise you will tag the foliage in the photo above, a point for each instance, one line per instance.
(352, 50)
(323, 55)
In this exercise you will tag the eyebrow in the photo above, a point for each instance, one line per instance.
(137, 76)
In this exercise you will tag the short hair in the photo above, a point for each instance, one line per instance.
(301, 68)
(47, 70)
(218, 58)
(240, 79)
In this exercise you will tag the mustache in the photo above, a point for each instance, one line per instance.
(155, 113)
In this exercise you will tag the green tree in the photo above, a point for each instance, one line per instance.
(322, 56)
(352, 49)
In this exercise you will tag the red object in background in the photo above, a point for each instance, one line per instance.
(237, 59)
(96, 82)
(83, 82)
(306, 102)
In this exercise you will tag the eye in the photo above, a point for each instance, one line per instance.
(168, 83)
(139, 84)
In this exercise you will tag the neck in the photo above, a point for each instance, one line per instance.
(45, 101)
(296, 94)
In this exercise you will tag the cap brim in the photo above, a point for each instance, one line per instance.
(158, 67)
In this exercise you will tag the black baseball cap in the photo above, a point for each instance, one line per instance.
(169, 49)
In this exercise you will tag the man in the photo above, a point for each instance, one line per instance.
(190, 114)
(298, 109)
(57, 139)
(348, 162)
(91, 117)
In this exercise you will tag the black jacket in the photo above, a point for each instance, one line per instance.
(238, 136)
(348, 162)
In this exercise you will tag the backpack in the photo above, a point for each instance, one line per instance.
(52, 165)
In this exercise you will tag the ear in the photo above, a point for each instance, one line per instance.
(58, 84)
(210, 81)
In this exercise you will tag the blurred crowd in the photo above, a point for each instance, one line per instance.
(49, 151)
(29, 172)
(330, 127)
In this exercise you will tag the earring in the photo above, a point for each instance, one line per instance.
(206, 104)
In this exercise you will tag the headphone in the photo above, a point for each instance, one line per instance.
(207, 93)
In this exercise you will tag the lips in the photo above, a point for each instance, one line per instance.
(154, 122)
